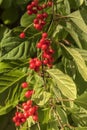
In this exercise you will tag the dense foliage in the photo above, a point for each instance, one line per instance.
(51, 74)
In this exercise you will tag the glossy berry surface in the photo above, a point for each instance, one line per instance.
(22, 35)
(24, 85)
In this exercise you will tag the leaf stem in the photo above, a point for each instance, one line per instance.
(65, 100)
(19, 108)
(27, 27)
(38, 126)
(59, 120)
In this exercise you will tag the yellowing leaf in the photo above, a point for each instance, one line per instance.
(64, 83)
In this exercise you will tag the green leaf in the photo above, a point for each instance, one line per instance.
(80, 63)
(64, 83)
(3, 31)
(6, 122)
(79, 116)
(26, 20)
(74, 34)
(75, 3)
(12, 47)
(62, 115)
(52, 125)
(10, 100)
(6, 4)
(59, 33)
(82, 100)
(81, 128)
(41, 97)
(83, 53)
(9, 17)
(67, 5)
(4, 66)
(77, 18)
(7, 108)
(44, 113)
(11, 78)
(79, 2)
(1, 2)
(19, 2)
(10, 90)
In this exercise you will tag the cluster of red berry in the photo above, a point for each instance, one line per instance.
(47, 54)
(47, 51)
(34, 7)
(27, 108)
(35, 64)
(44, 44)
(40, 20)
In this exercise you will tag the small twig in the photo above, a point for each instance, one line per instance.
(27, 27)
(65, 100)
(38, 126)
(19, 108)
(69, 126)
(16, 128)
(61, 16)
(53, 9)
(66, 42)
(59, 120)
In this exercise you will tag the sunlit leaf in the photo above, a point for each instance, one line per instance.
(80, 63)
(64, 83)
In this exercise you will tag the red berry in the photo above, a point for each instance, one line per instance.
(40, 16)
(32, 91)
(45, 62)
(23, 119)
(36, 21)
(37, 69)
(43, 22)
(44, 35)
(22, 35)
(51, 51)
(50, 3)
(34, 11)
(24, 85)
(32, 65)
(14, 119)
(42, 41)
(26, 115)
(34, 4)
(44, 47)
(17, 123)
(35, 117)
(20, 115)
(31, 111)
(38, 63)
(28, 94)
(44, 6)
(45, 15)
(29, 102)
(39, 45)
(38, 26)
(29, 7)
(29, 12)
(35, 108)
(26, 107)
(39, 7)
(24, 104)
